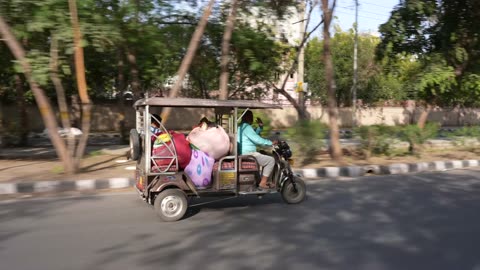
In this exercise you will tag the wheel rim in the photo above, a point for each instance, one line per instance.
(291, 191)
(171, 206)
(131, 148)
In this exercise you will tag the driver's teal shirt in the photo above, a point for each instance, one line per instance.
(248, 139)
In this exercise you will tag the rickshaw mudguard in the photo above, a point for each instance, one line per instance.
(169, 181)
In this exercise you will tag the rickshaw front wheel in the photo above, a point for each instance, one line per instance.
(293, 193)
(171, 204)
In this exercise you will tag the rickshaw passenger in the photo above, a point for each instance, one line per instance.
(155, 124)
(248, 139)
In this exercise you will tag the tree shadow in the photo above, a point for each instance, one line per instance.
(425, 221)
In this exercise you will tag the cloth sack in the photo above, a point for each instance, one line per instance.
(212, 140)
(163, 147)
(200, 168)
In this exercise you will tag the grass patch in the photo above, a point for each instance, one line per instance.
(58, 170)
(95, 153)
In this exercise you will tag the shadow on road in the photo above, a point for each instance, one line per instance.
(424, 221)
(399, 222)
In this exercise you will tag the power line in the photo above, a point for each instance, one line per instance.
(373, 4)
(368, 3)
(376, 19)
(363, 11)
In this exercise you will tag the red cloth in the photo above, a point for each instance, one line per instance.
(182, 147)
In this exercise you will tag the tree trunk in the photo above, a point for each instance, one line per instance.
(2, 128)
(120, 85)
(188, 58)
(42, 101)
(422, 120)
(132, 60)
(81, 84)
(335, 147)
(227, 36)
(22, 110)
(61, 99)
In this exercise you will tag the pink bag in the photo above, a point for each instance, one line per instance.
(200, 168)
(212, 140)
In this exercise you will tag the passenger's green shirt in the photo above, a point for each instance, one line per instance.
(248, 139)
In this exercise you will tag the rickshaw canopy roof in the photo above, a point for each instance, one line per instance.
(203, 103)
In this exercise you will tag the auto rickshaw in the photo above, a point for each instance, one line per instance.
(166, 186)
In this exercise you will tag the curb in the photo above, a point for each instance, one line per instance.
(325, 172)
(396, 168)
(63, 186)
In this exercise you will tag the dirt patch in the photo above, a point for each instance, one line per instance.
(92, 167)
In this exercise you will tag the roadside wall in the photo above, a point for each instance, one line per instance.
(107, 117)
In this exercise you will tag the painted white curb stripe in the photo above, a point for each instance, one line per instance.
(422, 166)
(472, 163)
(332, 171)
(457, 164)
(398, 168)
(85, 184)
(440, 165)
(8, 188)
(118, 182)
(310, 173)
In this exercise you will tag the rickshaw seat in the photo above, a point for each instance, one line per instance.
(246, 163)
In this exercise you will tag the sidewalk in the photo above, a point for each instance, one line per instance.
(36, 169)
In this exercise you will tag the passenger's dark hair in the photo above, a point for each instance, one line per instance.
(156, 116)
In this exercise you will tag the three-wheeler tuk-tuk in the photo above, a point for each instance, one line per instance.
(161, 180)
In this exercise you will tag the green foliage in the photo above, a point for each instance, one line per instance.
(464, 135)
(376, 80)
(436, 81)
(443, 36)
(416, 136)
(307, 139)
(375, 139)
(155, 33)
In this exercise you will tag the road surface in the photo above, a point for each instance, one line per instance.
(423, 221)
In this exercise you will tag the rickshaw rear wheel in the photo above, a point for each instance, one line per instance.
(293, 194)
(171, 204)
(135, 150)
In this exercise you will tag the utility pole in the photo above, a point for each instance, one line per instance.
(355, 69)
(301, 57)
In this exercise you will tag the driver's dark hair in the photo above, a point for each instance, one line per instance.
(247, 117)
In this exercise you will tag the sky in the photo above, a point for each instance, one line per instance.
(371, 14)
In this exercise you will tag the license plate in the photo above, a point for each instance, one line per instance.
(291, 162)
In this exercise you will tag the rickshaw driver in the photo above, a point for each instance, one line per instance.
(247, 140)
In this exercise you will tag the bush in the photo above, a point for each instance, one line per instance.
(416, 136)
(375, 139)
(461, 136)
(473, 132)
(307, 139)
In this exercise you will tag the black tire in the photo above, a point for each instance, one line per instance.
(294, 194)
(135, 149)
(171, 204)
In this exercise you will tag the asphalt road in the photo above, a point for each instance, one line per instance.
(423, 221)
